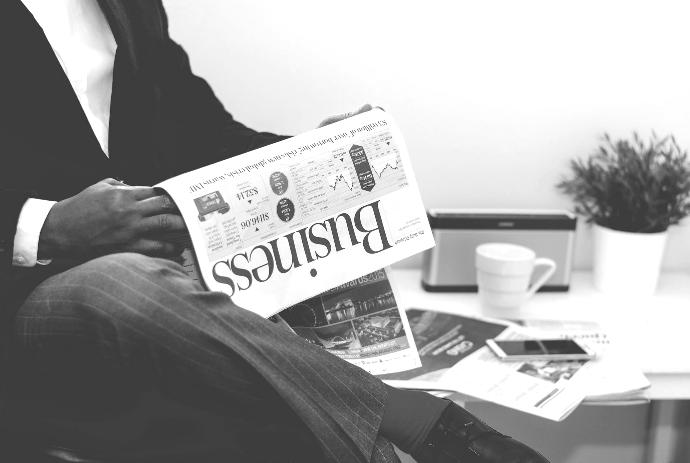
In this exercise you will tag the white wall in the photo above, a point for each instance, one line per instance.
(493, 96)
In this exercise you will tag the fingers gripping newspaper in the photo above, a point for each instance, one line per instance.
(289, 221)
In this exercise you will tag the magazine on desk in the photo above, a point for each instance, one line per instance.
(455, 358)
(293, 220)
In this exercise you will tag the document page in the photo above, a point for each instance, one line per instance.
(278, 225)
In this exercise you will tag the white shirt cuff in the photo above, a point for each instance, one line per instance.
(29, 225)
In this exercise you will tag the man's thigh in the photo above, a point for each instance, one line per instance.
(99, 355)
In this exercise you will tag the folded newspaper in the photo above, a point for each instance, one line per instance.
(359, 321)
(455, 358)
(304, 217)
(291, 220)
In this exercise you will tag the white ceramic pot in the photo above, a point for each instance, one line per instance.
(627, 263)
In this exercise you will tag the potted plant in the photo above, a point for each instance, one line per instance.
(632, 191)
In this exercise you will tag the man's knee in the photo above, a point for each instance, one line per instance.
(111, 284)
(130, 296)
(129, 262)
(103, 303)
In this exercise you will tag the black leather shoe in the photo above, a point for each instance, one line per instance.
(460, 437)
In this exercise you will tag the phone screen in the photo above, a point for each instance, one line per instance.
(541, 347)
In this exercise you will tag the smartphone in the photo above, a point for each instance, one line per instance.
(539, 349)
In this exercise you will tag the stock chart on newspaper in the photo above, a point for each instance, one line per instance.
(297, 192)
(372, 167)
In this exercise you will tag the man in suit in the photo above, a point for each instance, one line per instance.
(108, 346)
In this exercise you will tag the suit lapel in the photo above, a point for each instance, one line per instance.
(121, 26)
(38, 94)
(39, 97)
(131, 107)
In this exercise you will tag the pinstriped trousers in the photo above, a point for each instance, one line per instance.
(95, 346)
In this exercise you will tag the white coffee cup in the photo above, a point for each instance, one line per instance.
(504, 272)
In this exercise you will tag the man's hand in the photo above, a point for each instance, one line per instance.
(340, 117)
(111, 217)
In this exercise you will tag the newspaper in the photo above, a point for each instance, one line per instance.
(612, 377)
(442, 340)
(284, 223)
(455, 357)
(546, 388)
(359, 321)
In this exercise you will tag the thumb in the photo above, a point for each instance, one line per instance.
(340, 117)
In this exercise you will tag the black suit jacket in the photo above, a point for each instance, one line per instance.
(164, 121)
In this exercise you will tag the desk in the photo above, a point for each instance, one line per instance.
(655, 330)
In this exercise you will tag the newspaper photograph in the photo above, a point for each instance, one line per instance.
(359, 321)
(291, 220)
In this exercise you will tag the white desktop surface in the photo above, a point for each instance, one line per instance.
(654, 331)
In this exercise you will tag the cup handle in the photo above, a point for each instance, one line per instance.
(541, 262)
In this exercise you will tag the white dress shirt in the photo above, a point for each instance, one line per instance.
(85, 47)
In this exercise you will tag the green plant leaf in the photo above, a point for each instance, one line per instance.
(631, 185)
